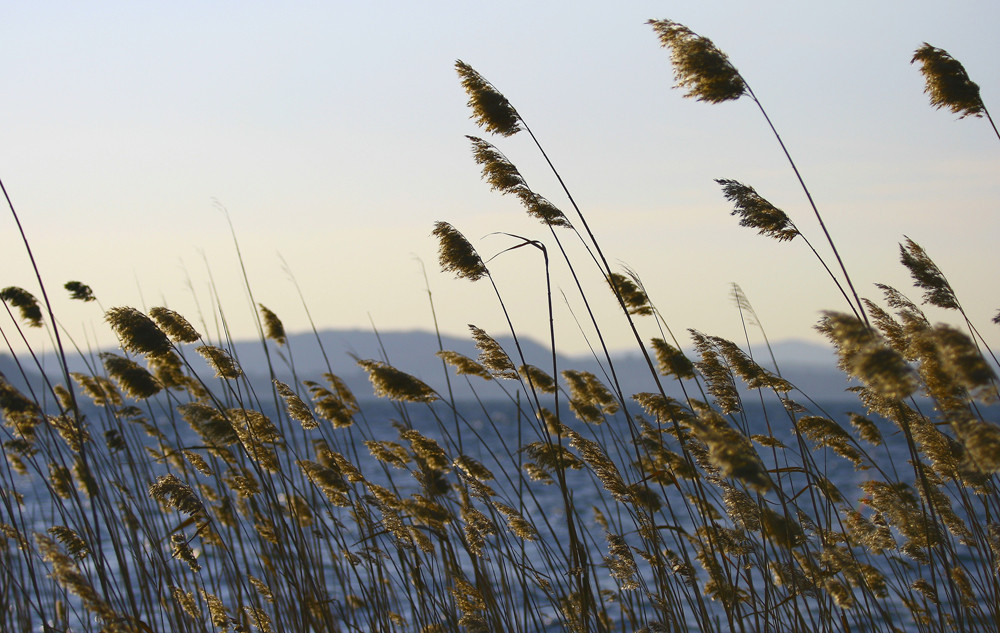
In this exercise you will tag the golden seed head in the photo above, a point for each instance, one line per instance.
(297, 409)
(464, 365)
(926, 275)
(490, 109)
(174, 493)
(700, 68)
(79, 291)
(671, 360)
(867, 356)
(220, 360)
(947, 83)
(504, 177)
(174, 325)
(273, 327)
(757, 213)
(133, 380)
(394, 384)
(25, 302)
(720, 379)
(456, 254)
(537, 378)
(137, 332)
(631, 294)
(492, 356)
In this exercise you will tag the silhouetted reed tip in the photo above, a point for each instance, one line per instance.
(137, 332)
(456, 254)
(757, 213)
(490, 109)
(926, 275)
(947, 83)
(274, 329)
(174, 325)
(700, 68)
(79, 291)
(25, 302)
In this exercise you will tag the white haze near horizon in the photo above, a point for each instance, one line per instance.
(334, 135)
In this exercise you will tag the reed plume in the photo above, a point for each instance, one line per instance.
(79, 291)
(25, 302)
(702, 70)
(221, 361)
(274, 329)
(947, 83)
(174, 325)
(457, 255)
(392, 383)
(490, 109)
(137, 332)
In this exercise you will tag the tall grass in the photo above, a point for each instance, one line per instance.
(162, 490)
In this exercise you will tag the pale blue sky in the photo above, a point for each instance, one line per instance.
(334, 134)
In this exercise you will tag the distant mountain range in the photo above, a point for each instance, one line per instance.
(811, 367)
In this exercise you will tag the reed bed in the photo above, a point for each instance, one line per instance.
(161, 490)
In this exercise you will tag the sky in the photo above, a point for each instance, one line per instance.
(333, 136)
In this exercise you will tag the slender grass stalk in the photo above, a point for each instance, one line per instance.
(707, 75)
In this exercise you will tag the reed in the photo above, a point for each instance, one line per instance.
(162, 489)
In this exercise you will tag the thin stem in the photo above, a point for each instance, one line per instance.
(990, 119)
(857, 307)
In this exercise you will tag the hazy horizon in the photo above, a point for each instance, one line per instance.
(335, 137)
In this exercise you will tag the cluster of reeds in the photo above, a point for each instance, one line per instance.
(161, 490)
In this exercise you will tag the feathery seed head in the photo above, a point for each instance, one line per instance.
(671, 360)
(338, 409)
(700, 68)
(631, 294)
(273, 328)
(865, 355)
(133, 380)
(492, 356)
(181, 550)
(258, 435)
(220, 360)
(541, 209)
(498, 171)
(174, 493)
(589, 398)
(538, 378)
(866, 429)
(174, 325)
(137, 332)
(947, 83)
(75, 545)
(25, 302)
(394, 384)
(388, 452)
(719, 376)
(427, 449)
(471, 467)
(964, 363)
(757, 213)
(517, 524)
(169, 370)
(456, 254)
(79, 291)
(297, 409)
(464, 365)
(982, 441)
(926, 275)
(504, 177)
(490, 109)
